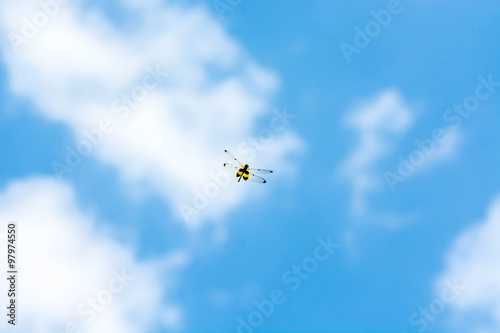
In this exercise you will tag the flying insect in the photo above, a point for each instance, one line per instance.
(244, 171)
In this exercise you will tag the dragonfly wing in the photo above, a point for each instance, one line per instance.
(232, 158)
(255, 179)
(230, 167)
(260, 170)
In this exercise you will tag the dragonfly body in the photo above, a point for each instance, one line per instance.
(244, 171)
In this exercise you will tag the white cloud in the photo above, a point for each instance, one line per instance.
(63, 261)
(377, 123)
(474, 260)
(79, 63)
(445, 150)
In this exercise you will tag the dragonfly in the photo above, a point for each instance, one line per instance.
(244, 171)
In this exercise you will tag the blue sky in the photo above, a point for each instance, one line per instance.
(353, 119)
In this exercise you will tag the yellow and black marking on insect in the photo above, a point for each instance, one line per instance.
(244, 170)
